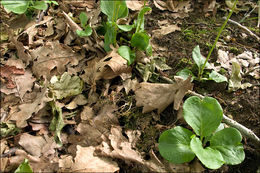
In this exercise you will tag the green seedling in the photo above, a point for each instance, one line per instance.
(24, 167)
(22, 6)
(213, 144)
(87, 31)
(199, 61)
(139, 40)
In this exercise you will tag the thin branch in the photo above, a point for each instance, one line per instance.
(245, 131)
(244, 28)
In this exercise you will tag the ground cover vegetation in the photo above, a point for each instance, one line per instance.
(108, 86)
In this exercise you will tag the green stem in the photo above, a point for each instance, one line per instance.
(216, 40)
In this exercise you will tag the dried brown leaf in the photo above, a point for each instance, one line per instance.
(7, 72)
(135, 5)
(53, 55)
(27, 109)
(158, 96)
(85, 161)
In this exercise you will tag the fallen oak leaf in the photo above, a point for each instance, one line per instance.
(158, 96)
(7, 72)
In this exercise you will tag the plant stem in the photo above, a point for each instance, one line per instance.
(216, 40)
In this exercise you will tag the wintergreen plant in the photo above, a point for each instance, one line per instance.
(87, 30)
(24, 167)
(213, 144)
(199, 61)
(139, 40)
(21, 6)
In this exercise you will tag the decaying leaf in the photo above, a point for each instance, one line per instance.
(65, 86)
(78, 100)
(158, 96)
(27, 109)
(53, 55)
(174, 5)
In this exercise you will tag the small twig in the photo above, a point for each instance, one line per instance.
(244, 28)
(245, 131)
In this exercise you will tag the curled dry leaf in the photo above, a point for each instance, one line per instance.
(53, 55)
(158, 96)
(173, 5)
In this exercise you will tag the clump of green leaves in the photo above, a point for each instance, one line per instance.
(199, 61)
(24, 167)
(87, 30)
(213, 144)
(21, 6)
(8, 129)
(139, 39)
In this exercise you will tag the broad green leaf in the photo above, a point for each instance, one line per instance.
(16, 6)
(110, 36)
(228, 143)
(24, 167)
(198, 58)
(203, 115)
(114, 9)
(209, 157)
(174, 145)
(85, 33)
(83, 19)
(140, 40)
(126, 28)
(217, 77)
(185, 73)
(207, 138)
(40, 5)
(65, 86)
(57, 122)
(127, 54)
(140, 19)
(149, 50)
(8, 129)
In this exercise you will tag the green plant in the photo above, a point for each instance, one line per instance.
(139, 40)
(21, 6)
(24, 167)
(199, 61)
(213, 144)
(87, 31)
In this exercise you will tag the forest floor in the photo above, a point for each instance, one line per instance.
(100, 124)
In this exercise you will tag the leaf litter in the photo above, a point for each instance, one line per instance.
(76, 127)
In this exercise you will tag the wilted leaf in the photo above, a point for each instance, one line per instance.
(158, 96)
(235, 79)
(65, 86)
(57, 122)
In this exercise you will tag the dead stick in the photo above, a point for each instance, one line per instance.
(244, 28)
(245, 131)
